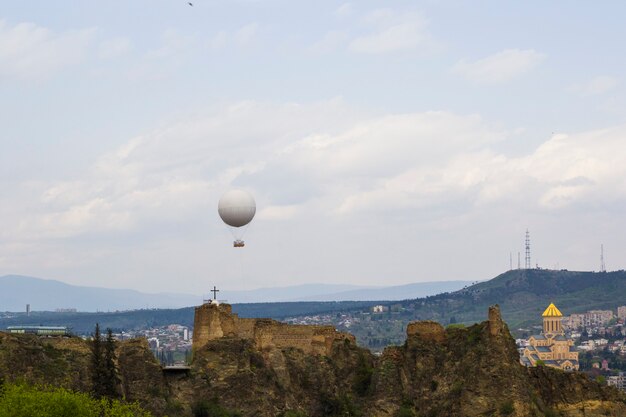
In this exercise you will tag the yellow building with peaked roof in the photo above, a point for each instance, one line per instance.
(551, 346)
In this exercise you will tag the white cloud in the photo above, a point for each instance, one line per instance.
(242, 37)
(172, 44)
(344, 10)
(28, 51)
(219, 41)
(392, 32)
(246, 34)
(113, 48)
(163, 60)
(582, 169)
(326, 158)
(330, 42)
(596, 86)
(500, 67)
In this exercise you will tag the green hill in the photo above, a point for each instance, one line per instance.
(524, 294)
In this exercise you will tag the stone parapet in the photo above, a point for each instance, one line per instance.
(426, 330)
(213, 321)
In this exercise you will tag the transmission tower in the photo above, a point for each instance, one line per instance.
(527, 266)
(602, 265)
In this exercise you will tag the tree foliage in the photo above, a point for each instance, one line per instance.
(111, 380)
(21, 400)
(104, 377)
(363, 376)
(97, 364)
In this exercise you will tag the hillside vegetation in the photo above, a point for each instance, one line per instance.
(524, 294)
(23, 400)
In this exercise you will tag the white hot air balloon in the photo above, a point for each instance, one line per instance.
(237, 209)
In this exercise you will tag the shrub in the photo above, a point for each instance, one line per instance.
(21, 400)
(204, 408)
(363, 376)
(405, 411)
(507, 408)
(434, 385)
(343, 406)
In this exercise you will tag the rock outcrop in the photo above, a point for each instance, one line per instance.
(456, 372)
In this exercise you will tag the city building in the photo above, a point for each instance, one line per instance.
(379, 309)
(551, 347)
(40, 330)
(618, 381)
(621, 312)
(593, 318)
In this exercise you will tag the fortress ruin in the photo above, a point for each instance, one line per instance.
(214, 321)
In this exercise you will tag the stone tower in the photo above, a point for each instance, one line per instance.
(212, 321)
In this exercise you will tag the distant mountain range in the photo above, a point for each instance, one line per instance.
(330, 292)
(48, 295)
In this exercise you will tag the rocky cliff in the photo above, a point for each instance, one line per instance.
(469, 372)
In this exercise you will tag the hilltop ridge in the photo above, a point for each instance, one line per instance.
(523, 294)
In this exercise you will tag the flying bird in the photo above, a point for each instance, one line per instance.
(190, 3)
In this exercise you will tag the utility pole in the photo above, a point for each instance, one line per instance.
(602, 265)
(527, 266)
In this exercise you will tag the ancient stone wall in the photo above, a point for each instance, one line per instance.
(426, 330)
(214, 321)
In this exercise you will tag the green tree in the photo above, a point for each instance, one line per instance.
(363, 376)
(98, 367)
(110, 378)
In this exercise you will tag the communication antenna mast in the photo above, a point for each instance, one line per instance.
(527, 266)
(602, 265)
(519, 262)
(510, 261)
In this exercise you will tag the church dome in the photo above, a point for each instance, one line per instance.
(552, 311)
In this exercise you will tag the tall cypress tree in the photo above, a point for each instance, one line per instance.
(98, 370)
(111, 379)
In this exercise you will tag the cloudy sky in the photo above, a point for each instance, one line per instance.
(385, 142)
